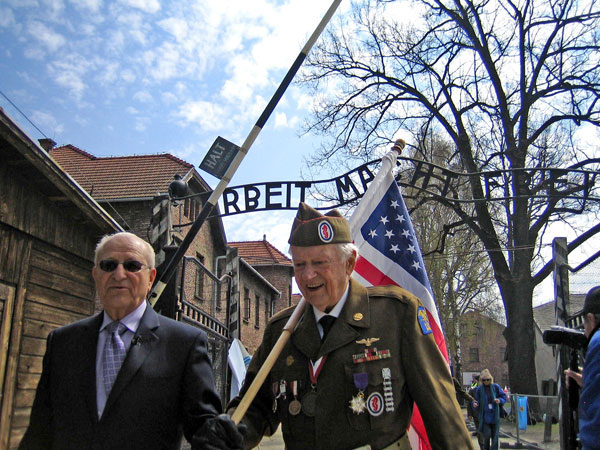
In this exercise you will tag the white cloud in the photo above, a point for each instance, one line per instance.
(148, 6)
(168, 97)
(89, 5)
(69, 73)
(176, 27)
(135, 26)
(142, 96)
(208, 115)
(141, 123)
(53, 8)
(282, 120)
(48, 37)
(47, 121)
(131, 110)
(109, 72)
(128, 75)
(167, 62)
(7, 18)
(34, 53)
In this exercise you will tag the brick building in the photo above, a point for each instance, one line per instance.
(482, 347)
(260, 259)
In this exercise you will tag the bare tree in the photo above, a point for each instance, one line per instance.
(459, 271)
(508, 83)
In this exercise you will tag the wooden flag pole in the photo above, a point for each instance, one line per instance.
(261, 376)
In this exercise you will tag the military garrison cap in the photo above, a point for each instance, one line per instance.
(310, 228)
(592, 301)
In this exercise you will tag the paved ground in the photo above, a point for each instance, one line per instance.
(532, 438)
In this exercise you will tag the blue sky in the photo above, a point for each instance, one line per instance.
(127, 77)
(130, 77)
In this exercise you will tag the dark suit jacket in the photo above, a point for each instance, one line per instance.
(165, 387)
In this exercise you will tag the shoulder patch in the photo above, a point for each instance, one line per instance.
(423, 320)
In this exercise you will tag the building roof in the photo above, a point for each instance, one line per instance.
(261, 253)
(545, 316)
(121, 177)
(32, 163)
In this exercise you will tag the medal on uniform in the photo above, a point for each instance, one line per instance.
(358, 404)
(388, 395)
(282, 385)
(295, 406)
(275, 394)
(309, 401)
(375, 404)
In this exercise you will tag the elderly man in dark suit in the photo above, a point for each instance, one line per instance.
(357, 360)
(126, 378)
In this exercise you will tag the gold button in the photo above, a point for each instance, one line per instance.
(289, 360)
(357, 316)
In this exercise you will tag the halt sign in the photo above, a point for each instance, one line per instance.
(219, 157)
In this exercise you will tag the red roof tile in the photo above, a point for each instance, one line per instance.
(260, 253)
(137, 176)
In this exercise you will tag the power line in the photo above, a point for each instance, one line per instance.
(23, 114)
(81, 174)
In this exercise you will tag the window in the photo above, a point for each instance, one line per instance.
(191, 208)
(246, 305)
(199, 291)
(267, 311)
(257, 311)
(474, 354)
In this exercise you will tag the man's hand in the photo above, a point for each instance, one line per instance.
(577, 376)
(219, 433)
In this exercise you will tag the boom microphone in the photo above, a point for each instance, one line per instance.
(565, 336)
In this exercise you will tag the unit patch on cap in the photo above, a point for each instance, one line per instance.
(423, 320)
(325, 232)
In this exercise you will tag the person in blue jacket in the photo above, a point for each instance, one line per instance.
(489, 398)
(589, 400)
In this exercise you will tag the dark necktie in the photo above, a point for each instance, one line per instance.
(114, 354)
(326, 322)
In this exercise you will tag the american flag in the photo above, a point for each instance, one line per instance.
(389, 254)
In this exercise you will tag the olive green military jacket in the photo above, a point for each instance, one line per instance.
(380, 357)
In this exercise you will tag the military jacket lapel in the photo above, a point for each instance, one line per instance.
(354, 314)
(306, 336)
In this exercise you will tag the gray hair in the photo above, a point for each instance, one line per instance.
(347, 250)
(148, 251)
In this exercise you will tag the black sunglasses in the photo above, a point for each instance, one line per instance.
(110, 265)
(486, 379)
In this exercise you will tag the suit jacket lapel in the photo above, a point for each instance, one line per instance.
(88, 364)
(142, 345)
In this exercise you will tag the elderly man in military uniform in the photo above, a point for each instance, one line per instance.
(357, 360)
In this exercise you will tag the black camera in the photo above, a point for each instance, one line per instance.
(565, 336)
